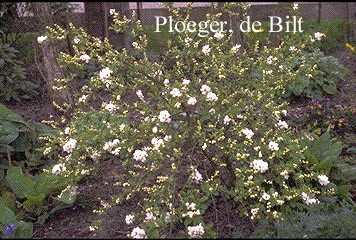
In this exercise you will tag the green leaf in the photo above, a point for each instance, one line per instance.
(34, 200)
(6, 215)
(20, 184)
(343, 190)
(330, 88)
(24, 229)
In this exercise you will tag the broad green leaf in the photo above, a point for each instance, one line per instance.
(24, 229)
(34, 200)
(6, 215)
(22, 185)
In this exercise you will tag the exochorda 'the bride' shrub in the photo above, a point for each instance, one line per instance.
(201, 122)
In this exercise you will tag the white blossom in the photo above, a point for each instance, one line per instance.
(76, 40)
(218, 35)
(164, 116)
(175, 92)
(110, 107)
(248, 133)
(206, 49)
(140, 95)
(227, 119)
(295, 6)
(41, 39)
(318, 35)
(266, 196)
(282, 124)
(140, 155)
(58, 168)
(84, 58)
(323, 180)
(138, 232)
(197, 177)
(259, 165)
(273, 146)
(205, 89)
(186, 82)
(70, 145)
(196, 231)
(235, 48)
(211, 97)
(192, 101)
(270, 60)
(309, 200)
(150, 216)
(83, 98)
(105, 73)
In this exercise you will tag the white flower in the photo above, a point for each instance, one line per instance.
(138, 233)
(218, 35)
(76, 40)
(227, 119)
(110, 107)
(112, 11)
(196, 231)
(175, 92)
(84, 58)
(70, 145)
(259, 165)
(206, 49)
(292, 48)
(235, 48)
(197, 177)
(211, 97)
(164, 116)
(266, 196)
(157, 142)
(284, 112)
(273, 146)
(140, 155)
(191, 206)
(167, 137)
(318, 35)
(41, 39)
(205, 89)
(135, 44)
(83, 98)
(104, 73)
(192, 101)
(188, 40)
(295, 6)
(309, 200)
(154, 129)
(67, 131)
(58, 168)
(47, 150)
(248, 133)
(282, 124)
(140, 95)
(323, 180)
(285, 174)
(270, 60)
(150, 216)
(129, 219)
(186, 82)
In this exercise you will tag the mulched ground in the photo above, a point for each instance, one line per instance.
(74, 222)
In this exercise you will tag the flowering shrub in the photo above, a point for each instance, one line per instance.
(203, 121)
